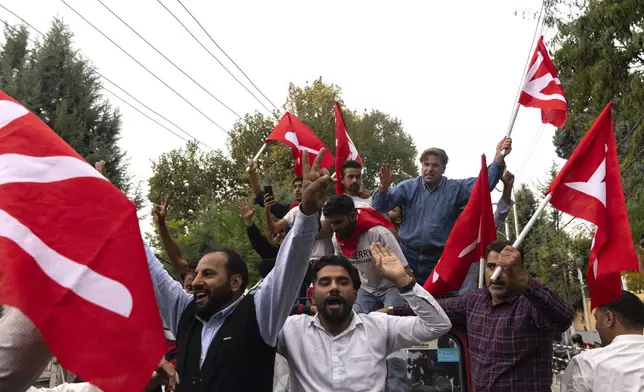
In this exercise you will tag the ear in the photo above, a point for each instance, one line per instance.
(610, 318)
(236, 282)
(354, 215)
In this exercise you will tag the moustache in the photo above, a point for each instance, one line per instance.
(334, 300)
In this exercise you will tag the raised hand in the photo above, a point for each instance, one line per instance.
(388, 265)
(269, 202)
(386, 177)
(511, 262)
(251, 167)
(507, 178)
(246, 212)
(503, 148)
(100, 167)
(314, 184)
(160, 210)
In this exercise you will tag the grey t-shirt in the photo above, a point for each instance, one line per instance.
(370, 279)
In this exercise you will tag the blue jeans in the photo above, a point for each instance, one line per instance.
(367, 302)
(422, 263)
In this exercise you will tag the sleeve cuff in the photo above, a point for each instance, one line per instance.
(504, 207)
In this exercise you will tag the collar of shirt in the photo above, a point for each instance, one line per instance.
(355, 321)
(222, 314)
(429, 188)
(633, 338)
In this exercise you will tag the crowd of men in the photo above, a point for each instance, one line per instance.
(361, 259)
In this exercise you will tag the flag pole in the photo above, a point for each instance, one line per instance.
(481, 273)
(261, 150)
(515, 110)
(515, 215)
(507, 230)
(525, 231)
(583, 298)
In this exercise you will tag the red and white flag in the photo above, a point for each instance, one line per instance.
(542, 88)
(295, 134)
(345, 150)
(72, 257)
(473, 230)
(590, 187)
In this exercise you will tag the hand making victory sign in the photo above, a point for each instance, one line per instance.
(315, 182)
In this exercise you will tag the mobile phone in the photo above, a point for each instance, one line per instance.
(268, 190)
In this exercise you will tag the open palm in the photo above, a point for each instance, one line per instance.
(386, 261)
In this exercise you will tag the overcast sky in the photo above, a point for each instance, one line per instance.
(449, 70)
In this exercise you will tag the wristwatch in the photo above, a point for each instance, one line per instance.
(409, 287)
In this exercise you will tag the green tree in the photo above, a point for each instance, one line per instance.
(55, 82)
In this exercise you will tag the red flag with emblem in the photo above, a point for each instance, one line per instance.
(590, 187)
(295, 134)
(72, 257)
(473, 230)
(345, 150)
(542, 88)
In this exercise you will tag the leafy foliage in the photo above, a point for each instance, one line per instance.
(55, 82)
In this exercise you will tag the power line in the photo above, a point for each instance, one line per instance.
(116, 85)
(170, 61)
(215, 57)
(226, 54)
(144, 67)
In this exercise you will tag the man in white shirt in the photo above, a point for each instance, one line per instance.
(341, 350)
(354, 230)
(619, 365)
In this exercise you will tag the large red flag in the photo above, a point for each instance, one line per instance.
(590, 187)
(542, 88)
(473, 230)
(345, 150)
(294, 133)
(73, 258)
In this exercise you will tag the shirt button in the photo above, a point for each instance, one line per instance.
(194, 380)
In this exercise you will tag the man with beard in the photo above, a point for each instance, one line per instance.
(341, 350)
(619, 365)
(351, 179)
(432, 203)
(355, 229)
(510, 325)
(221, 334)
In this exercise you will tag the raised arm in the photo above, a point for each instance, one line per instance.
(549, 311)
(172, 299)
(430, 321)
(169, 245)
(505, 203)
(386, 198)
(274, 299)
(494, 171)
(280, 225)
(262, 246)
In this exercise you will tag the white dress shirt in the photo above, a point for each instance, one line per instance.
(355, 359)
(618, 367)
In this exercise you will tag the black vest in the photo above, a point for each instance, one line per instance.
(238, 359)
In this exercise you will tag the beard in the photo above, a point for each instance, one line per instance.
(354, 187)
(335, 309)
(217, 298)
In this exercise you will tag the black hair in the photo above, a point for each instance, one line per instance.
(265, 266)
(235, 263)
(340, 261)
(297, 179)
(629, 310)
(498, 246)
(338, 205)
(350, 164)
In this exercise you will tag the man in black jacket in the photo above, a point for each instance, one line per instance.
(221, 333)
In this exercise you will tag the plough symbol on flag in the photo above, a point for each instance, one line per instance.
(596, 184)
(81, 279)
(292, 137)
(534, 87)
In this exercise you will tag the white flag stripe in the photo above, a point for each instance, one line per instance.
(10, 111)
(81, 279)
(16, 168)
